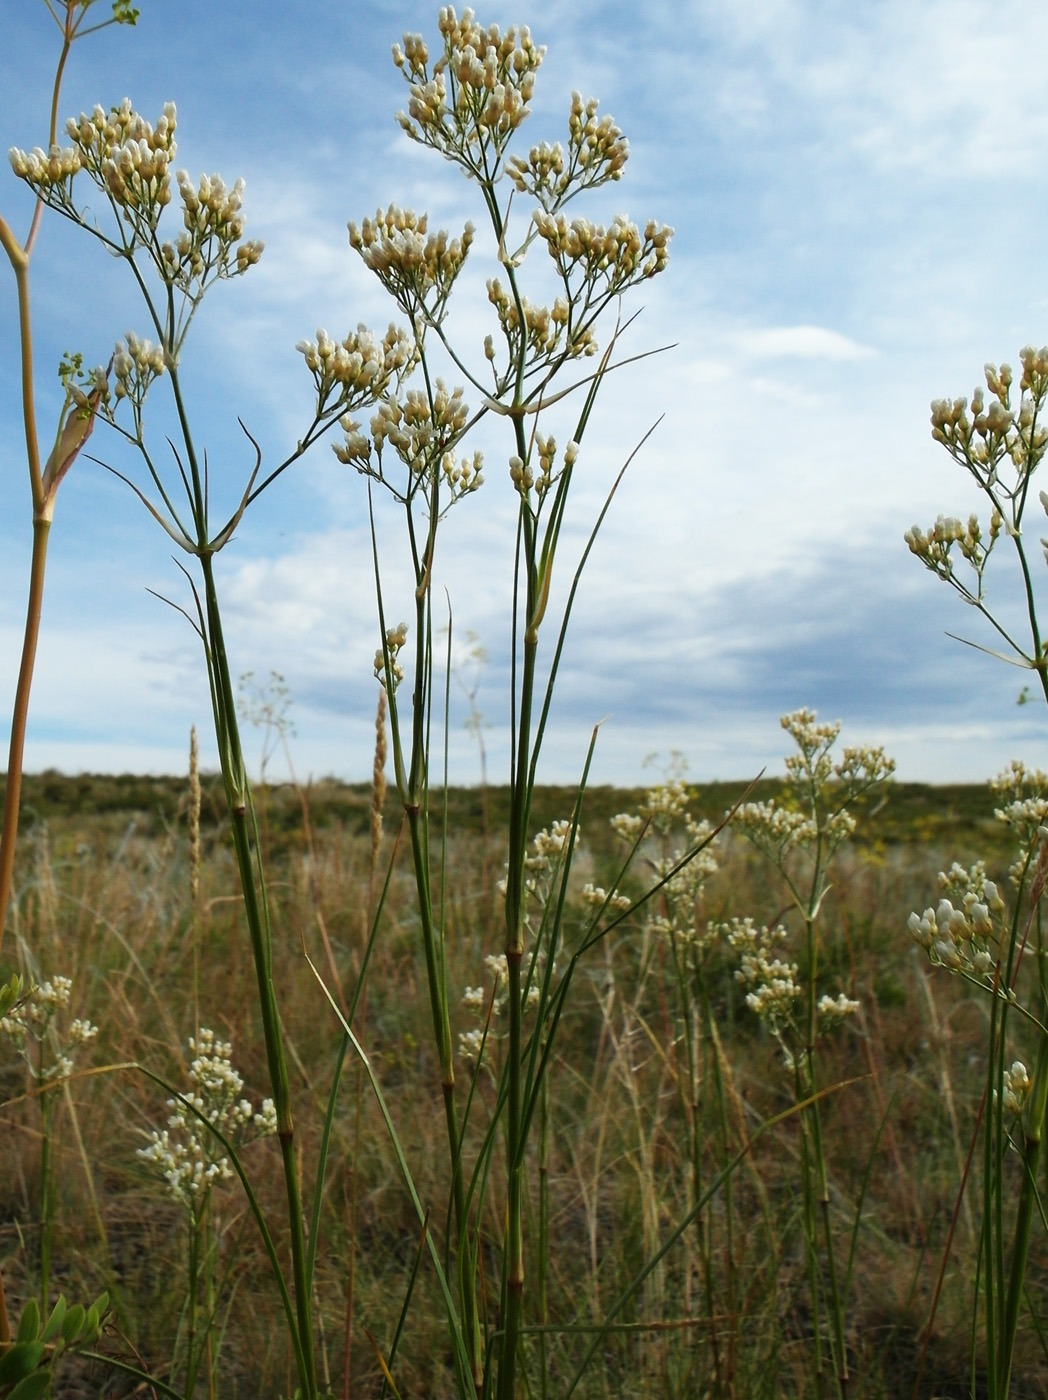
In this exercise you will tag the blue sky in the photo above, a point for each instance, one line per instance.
(857, 193)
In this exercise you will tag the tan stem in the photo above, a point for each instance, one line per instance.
(9, 835)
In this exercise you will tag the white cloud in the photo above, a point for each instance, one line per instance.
(801, 343)
(846, 180)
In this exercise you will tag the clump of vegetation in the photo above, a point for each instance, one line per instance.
(553, 1092)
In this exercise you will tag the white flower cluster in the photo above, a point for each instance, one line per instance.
(187, 1153)
(45, 170)
(819, 791)
(544, 327)
(136, 363)
(126, 156)
(129, 159)
(934, 549)
(1015, 1089)
(463, 474)
(542, 174)
(619, 255)
(598, 898)
(597, 152)
(775, 830)
(984, 439)
(549, 846)
(957, 933)
(628, 825)
(387, 654)
(478, 999)
(214, 225)
(357, 370)
(545, 450)
(833, 1010)
(423, 429)
(1023, 795)
(411, 263)
(478, 91)
(664, 816)
(771, 980)
(548, 849)
(31, 1025)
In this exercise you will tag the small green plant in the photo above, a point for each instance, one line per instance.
(209, 1123)
(27, 1362)
(36, 1025)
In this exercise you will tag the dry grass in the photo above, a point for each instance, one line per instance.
(108, 905)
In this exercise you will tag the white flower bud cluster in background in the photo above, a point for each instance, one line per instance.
(549, 849)
(814, 810)
(833, 1010)
(958, 933)
(34, 1027)
(771, 981)
(597, 897)
(543, 867)
(395, 639)
(667, 831)
(478, 1000)
(187, 1153)
(800, 834)
(1015, 1089)
(775, 830)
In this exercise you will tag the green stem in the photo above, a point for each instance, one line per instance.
(192, 1304)
(542, 1269)
(47, 1202)
(238, 796)
(1024, 1216)
(436, 981)
(514, 1264)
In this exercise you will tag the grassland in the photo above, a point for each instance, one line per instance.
(103, 898)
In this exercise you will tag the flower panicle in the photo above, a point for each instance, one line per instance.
(187, 1153)
(129, 159)
(417, 268)
(477, 93)
(34, 1026)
